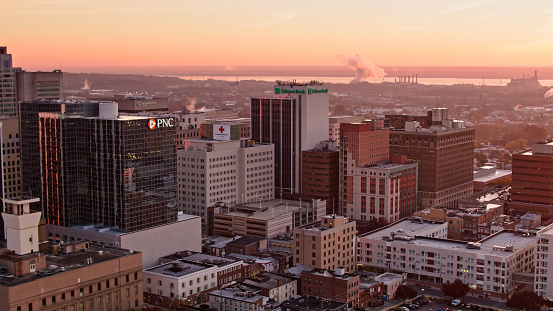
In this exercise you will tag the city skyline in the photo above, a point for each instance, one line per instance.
(246, 33)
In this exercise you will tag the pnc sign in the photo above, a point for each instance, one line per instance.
(153, 123)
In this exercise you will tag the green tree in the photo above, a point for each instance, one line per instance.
(525, 300)
(457, 289)
(405, 292)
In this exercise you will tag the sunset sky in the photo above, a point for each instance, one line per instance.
(42, 34)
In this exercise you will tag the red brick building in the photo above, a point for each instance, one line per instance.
(320, 175)
(532, 181)
(338, 286)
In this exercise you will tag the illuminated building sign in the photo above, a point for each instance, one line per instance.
(153, 123)
(309, 91)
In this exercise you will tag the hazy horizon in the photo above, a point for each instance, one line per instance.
(472, 72)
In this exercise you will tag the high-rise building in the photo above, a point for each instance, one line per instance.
(320, 175)
(8, 86)
(39, 85)
(9, 144)
(445, 153)
(230, 171)
(372, 185)
(296, 119)
(327, 245)
(334, 125)
(91, 166)
(531, 181)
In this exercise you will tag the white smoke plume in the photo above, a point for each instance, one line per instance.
(190, 104)
(548, 93)
(229, 68)
(363, 68)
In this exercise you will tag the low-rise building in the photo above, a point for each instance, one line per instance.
(264, 219)
(391, 282)
(228, 269)
(274, 286)
(179, 282)
(371, 292)
(336, 285)
(237, 298)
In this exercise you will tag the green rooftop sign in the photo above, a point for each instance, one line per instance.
(309, 91)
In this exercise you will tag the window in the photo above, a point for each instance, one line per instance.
(128, 292)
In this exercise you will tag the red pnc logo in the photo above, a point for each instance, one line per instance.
(152, 124)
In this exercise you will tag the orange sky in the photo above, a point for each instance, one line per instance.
(42, 34)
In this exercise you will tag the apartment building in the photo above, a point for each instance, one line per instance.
(544, 253)
(490, 266)
(326, 245)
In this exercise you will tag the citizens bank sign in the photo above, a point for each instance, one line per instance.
(309, 91)
(153, 123)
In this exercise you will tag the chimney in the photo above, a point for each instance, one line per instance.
(279, 282)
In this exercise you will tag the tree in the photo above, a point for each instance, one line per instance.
(481, 158)
(405, 292)
(525, 300)
(457, 289)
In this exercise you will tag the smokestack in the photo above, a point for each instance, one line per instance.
(536, 74)
(417, 78)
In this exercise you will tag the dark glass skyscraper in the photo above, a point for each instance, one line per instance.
(97, 168)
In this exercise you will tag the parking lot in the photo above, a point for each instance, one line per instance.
(442, 305)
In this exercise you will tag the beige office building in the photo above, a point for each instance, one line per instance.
(229, 171)
(326, 245)
(265, 219)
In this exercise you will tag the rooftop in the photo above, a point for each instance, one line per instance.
(246, 240)
(62, 263)
(388, 278)
(237, 293)
(201, 258)
(267, 280)
(266, 210)
(409, 227)
(178, 268)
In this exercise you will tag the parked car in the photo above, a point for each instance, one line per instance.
(456, 302)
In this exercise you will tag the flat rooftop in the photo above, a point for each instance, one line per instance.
(69, 262)
(267, 209)
(409, 227)
(495, 175)
(267, 280)
(388, 278)
(489, 246)
(177, 268)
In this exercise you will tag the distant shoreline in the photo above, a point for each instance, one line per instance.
(469, 72)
